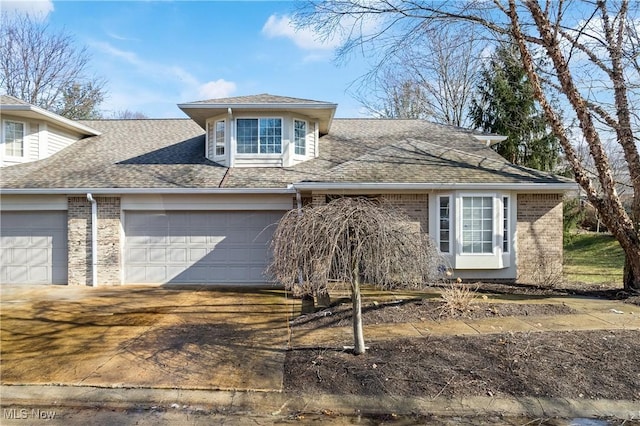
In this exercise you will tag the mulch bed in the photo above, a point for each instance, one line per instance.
(586, 364)
(575, 364)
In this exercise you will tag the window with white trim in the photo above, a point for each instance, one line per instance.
(219, 137)
(477, 225)
(505, 224)
(259, 135)
(444, 223)
(300, 136)
(13, 138)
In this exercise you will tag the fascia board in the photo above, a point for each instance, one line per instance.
(279, 106)
(330, 186)
(103, 191)
(65, 122)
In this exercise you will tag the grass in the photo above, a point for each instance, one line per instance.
(593, 258)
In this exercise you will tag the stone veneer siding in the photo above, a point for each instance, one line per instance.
(539, 239)
(79, 240)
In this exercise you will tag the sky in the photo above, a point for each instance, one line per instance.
(157, 54)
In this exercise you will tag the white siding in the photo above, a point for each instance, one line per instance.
(59, 139)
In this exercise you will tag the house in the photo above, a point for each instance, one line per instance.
(195, 200)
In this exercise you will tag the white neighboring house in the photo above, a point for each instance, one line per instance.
(30, 133)
(195, 200)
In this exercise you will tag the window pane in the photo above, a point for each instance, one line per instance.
(300, 137)
(444, 222)
(270, 136)
(220, 131)
(247, 142)
(477, 225)
(505, 224)
(14, 139)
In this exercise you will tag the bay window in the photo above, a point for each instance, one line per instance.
(473, 229)
(259, 135)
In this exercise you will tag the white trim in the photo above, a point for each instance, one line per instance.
(118, 191)
(25, 142)
(490, 139)
(65, 122)
(262, 106)
(451, 220)
(217, 156)
(372, 186)
(260, 154)
(293, 139)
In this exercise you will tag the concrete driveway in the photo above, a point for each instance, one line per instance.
(158, 337)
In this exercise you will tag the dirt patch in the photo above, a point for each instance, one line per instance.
(576, 364)
(416, 310)
(586, 364)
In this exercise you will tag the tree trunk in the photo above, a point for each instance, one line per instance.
(308, 306)
(607, 203)
(356, 306)
(631, 276)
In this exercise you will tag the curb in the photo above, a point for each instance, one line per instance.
(277, 403)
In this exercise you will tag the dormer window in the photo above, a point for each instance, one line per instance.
(259, 135)
(300, 137)
(13, 138)
(219, 137)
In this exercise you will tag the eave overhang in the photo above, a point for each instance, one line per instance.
(425, 186)
(323, 113)
(36, 113)
(123, 191)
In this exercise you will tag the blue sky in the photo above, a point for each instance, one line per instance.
(156, 54)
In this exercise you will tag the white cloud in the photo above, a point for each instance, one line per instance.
(282, 26)
(179, 85)
(216, 89)
(38, 9)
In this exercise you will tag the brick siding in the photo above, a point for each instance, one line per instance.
(539, 239)
(79, 240)
(416, 206)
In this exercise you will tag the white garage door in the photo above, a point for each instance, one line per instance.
(198, 247)
(33, 247)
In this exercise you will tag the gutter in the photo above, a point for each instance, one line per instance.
(121, 191)
(94, 240)
(372, 186)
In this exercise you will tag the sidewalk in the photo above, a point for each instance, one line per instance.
(226, 349)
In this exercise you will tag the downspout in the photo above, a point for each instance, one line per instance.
(94, 240)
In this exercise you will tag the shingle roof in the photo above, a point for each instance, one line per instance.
(170, 154)
(263, 98)
(10, 100)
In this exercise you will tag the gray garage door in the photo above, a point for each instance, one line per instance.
(33, 247)
(198, 247)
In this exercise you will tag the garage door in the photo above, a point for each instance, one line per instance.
(198, 247)
(33, 247)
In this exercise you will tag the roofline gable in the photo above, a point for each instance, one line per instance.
(32, 111)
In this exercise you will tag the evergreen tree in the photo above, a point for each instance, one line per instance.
(505, 105)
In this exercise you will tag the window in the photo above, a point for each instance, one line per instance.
(505, 224)
(14, 138)
(219, 137)
(300, 136)
(477, 225)
(444, 220)
(259, 136)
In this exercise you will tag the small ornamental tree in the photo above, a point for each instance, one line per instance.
(352, 240)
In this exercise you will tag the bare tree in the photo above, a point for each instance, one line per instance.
(352, 240)
(129, 115)
(46, 68)
(433, 78)
(587, 50)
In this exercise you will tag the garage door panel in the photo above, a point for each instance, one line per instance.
(198, 247)
(33, 247)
